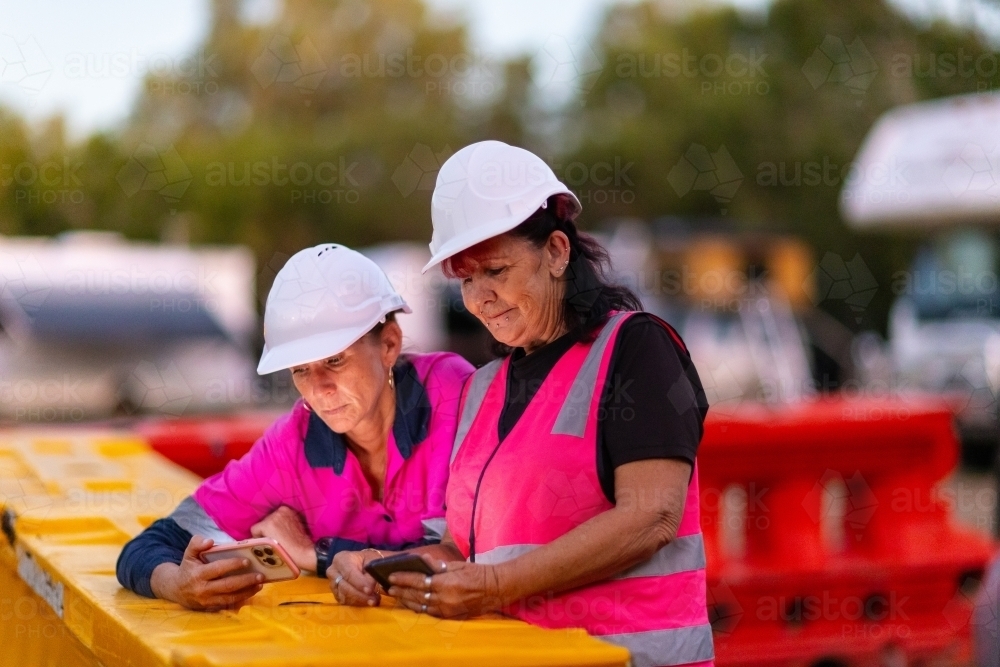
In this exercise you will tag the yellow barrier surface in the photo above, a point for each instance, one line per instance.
(72, 499)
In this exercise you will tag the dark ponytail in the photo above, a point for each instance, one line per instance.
(590, 294)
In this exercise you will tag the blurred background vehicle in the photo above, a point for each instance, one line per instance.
(940, 162)
(92, 325)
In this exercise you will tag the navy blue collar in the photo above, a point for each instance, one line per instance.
(327, 449)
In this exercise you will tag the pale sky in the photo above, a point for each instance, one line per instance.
(87, 59)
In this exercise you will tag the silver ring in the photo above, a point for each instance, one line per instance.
(336, 582)
(444, 567)
(427, 596)
(423, 609)
(427, 582)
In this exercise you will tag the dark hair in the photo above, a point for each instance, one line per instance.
(590, 295)
(376, 330)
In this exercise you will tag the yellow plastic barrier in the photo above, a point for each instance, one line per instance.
(71, 499)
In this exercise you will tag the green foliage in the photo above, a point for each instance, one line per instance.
(791, 127)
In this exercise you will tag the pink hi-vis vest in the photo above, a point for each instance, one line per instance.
(541, 482)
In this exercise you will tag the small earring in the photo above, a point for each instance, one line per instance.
(392, 380)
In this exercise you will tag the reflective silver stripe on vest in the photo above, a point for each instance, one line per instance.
(480, 383)
(676, 646)
(682, 554)
(504, 554)
(572, 419)
(191, 517)
(434, 529)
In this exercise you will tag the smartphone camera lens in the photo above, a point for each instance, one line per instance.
(270, 561)
(268, 551)
(258, 553)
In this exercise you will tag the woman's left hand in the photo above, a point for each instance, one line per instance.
(456, 590)
(285, 525)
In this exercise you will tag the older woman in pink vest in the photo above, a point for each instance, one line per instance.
(573, 496)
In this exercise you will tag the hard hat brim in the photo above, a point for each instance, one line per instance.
(315, 348)
(477, 236)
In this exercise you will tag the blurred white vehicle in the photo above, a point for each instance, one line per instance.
(935, 167)
(92, 325)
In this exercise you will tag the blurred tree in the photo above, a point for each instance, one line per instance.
(322, 125)
(756, 119)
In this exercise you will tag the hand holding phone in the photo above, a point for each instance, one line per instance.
(381, 568)
(266, 557)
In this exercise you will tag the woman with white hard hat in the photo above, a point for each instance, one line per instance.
(573, 497)
(360, 463)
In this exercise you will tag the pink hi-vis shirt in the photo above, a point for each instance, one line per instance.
(301, 463)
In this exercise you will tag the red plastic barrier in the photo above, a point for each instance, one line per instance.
(204, 445)
(837, 543)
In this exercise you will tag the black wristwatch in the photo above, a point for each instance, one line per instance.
(322, 548)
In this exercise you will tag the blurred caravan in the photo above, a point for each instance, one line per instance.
(932, 170)
(93, 326)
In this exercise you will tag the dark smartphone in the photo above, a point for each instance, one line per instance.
(381, 568)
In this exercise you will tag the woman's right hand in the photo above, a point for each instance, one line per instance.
(205, 587)
(350, 584)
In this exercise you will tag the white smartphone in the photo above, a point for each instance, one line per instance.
(266, 557)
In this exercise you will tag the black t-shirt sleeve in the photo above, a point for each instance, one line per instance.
(653, 405)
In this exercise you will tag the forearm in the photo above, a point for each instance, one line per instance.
(605, 545)
(163, 543)
(162, 581)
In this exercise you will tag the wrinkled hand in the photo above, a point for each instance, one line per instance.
(205, 587)
(457, 589)
(286, 526)
(356, 588)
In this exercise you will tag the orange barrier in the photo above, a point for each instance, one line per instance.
(828, 537)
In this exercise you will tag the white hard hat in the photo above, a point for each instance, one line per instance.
(484, 190)
(323, 300)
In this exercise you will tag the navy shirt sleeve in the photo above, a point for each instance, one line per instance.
(163, 542)
(653, 405)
